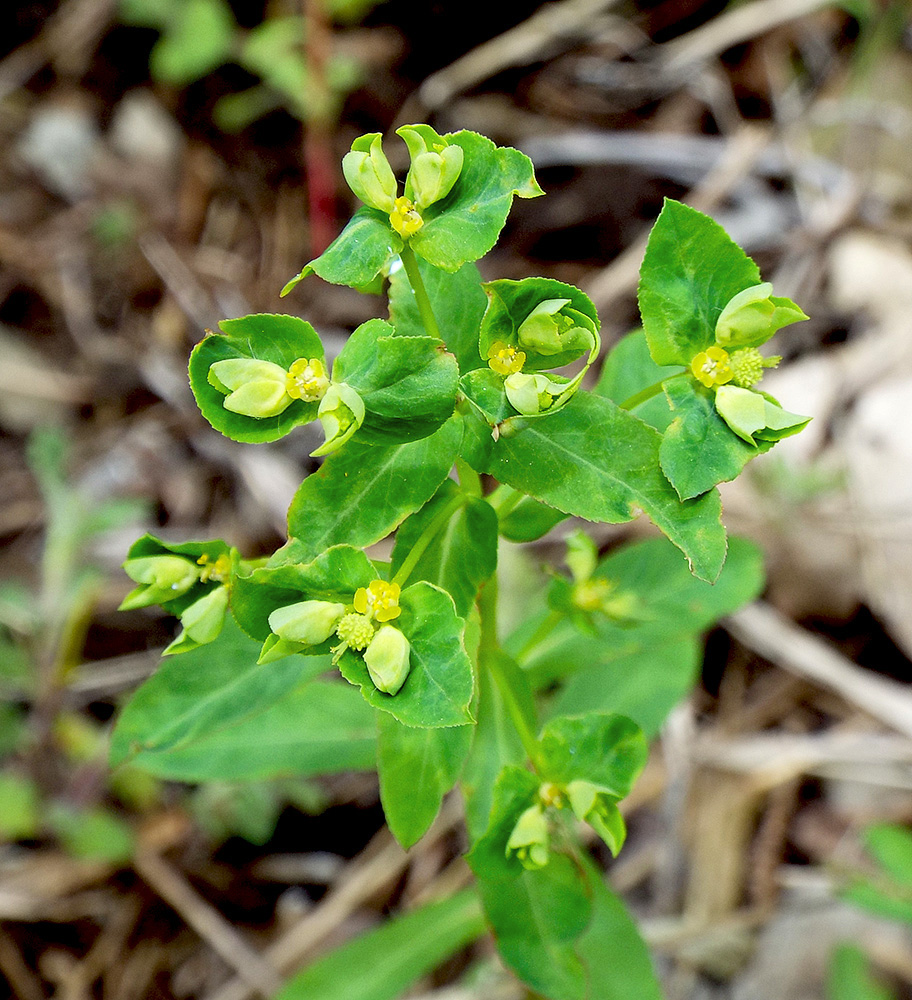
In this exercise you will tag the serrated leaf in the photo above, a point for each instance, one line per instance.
(457, 301)
(360, 494)
(315, 728)
(408, 384)
(690, 270)
(197, 38)
(382, 964)
(462, 553)
(599, 462)
(440, 682)
(530, 520)
(537, 915)
(279, 339)
(201, 692)
(465, 225)
(605, 749)
(627, 370)
(698, 449)
(363, 250)
(417, 767)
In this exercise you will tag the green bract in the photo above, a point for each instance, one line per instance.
(451, 425)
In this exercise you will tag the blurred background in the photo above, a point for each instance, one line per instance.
(165, 164)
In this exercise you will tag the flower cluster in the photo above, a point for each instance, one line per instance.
(748, 320)
(361, 626)
(196, 590)
(435, 167)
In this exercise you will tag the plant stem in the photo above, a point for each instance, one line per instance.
(545, 626)
(427, 536)
(638, 398)
(504, 499)
(410, 263)
(489, 658)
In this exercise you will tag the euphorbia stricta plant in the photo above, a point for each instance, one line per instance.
(460, 419)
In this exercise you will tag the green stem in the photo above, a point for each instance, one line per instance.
(410, 263)
(504, 499)
(489, 658)
(426, 537)
(545, 627)
(638, 398)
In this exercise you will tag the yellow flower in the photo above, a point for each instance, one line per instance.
(405, 218)
(711, 367)
(505, 359)
(215, 571)
(380, 600)
(306, 380)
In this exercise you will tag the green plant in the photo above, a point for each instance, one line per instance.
(462, 376)
(886, 891)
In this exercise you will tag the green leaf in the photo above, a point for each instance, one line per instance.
(198, 37)
(458, 303)
(360, 494)
(19, 804)
(382, 964)
(417, 767)
(95, 834)
(465, 225)
(672, 605)
(601, 463)
(279, 339)
(510, 304)
(891, 847)
(755, 416)
(606, 750)
(408, 384)
(363, 250)
(463, 552)
(484, 389)
(334, 575)
(698, 449)
(627, 370)
(613, 953)
(536, 915)
(644, 685)
(849, 977)
(440, 683)
(317, 727)
(530, 520)
(202, 691)
(147, 13)
(690, 271)
(497, 743)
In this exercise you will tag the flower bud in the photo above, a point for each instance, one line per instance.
(255, 388)
(552, 328)
(530, 840)
(161, 579)
(436, 164)
(598, 807)
(531, 394)
(341, 412)
(752, 316)
(308, 622)
(202, 621)
(754, 417)
(368, 173)
(387, 659)
(582, 555)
